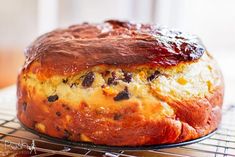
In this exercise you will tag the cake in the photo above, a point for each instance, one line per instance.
(119, 83)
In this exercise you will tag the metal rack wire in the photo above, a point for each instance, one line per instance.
(13, 136)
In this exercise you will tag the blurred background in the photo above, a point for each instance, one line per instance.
(21, 21)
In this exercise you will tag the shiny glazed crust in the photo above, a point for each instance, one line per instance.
(146, 102)
(68, 51)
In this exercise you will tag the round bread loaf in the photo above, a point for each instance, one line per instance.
(120, 84)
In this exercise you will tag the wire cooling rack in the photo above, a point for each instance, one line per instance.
(15, 139)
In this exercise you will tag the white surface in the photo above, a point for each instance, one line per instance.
(47, 15)
(213, 21)
(227, 64)
(7, 96)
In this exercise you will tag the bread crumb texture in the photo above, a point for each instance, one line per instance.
(108, 88)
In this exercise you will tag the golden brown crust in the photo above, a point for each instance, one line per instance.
(119, 84)
(67, 51)
(194, 118)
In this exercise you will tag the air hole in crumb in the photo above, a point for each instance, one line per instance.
(58, 113)
(117, 116)
(66, 107)
(24, 106)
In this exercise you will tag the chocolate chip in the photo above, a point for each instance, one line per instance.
(153, 76)
(123, 95)
(112, 81)
(58, 113)
(114, 74)
(88, 80)
(65, 80)
(117, 116)
(127, 77)
(52, 98)
(24, 106)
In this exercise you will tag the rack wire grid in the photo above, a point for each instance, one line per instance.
(13, 136)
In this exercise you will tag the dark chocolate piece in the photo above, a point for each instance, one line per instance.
(153, 76)
(112, 81)
(52, 98)
(65, 80)
(123, 95)
(127, 76)
(88, 80)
